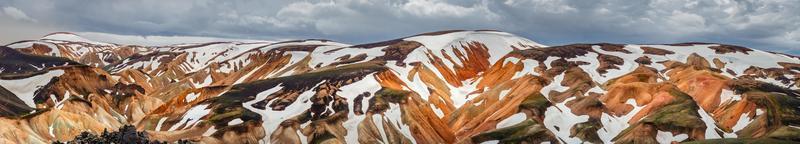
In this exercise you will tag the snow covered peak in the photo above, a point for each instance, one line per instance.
(158, 40)
(71, 37)
(442, 39)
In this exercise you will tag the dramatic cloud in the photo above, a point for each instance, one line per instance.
(17, 14)
(16, 25)
(771, 25)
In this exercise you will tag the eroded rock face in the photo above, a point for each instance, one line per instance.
(438, 87)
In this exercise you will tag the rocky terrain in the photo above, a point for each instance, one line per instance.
(439, 87)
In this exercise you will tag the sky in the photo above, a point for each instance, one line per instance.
(762, 24)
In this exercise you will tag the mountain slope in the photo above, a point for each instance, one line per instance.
(438, 87)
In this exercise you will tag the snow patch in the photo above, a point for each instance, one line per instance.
(437, 111)
(271, 119)
(613, 125)
(667, 137)
(711, 126)
(743, 121)
(511, 120)
(728, 95)
(24, 88)
(559, 119)
(207, 81)
(503, 94)
(210, 131)
(50, 130)
(192, 96)
(460, 95)
(160, 122)
(191, 117)
(235, 121)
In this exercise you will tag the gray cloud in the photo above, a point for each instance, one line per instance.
(771, 25)
(16, 25)
(16, 14)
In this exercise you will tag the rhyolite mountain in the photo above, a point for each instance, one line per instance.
(439, 87)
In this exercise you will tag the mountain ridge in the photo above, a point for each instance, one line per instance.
(438, 87)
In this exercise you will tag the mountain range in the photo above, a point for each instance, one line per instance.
(457, 86)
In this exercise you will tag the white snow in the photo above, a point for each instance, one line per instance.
(130, 77)
(24, 88)
(72, 38)
(243, 78)
(206, 81)
(667, 137)
(394, 117)
(737, 61)
(54, 50)
(728, 95)
(511, 120)
(160, 122)
(626, 67)
(370, 85)
(60, 104)
(210, 131)
(436, 111)
(126, 108)
(415, 84)
(295, 57)
(503, 94)
(191, 117)
(555, 85)
(711, 125)
(53, 98)
(324, 59)
(550, 60)
(191, 96)
(460, 95)
(776, 82)
(528, 67)
(235, 121)
(50, 130)
(559, 115)
(377, 119)
(743, 121)
(271, 119)
(155, 40)
(613, 125)
(199, 57)
(498, 43)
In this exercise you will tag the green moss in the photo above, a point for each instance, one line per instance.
(680, 96)
(322, 138)
(391, 95)
(741, 141)
(587, 131)
(524, 131)
(224, 117)
(464, 110)
(535, 101)
(679, 115)
(780, 110)
(785, 133)
(383, 97)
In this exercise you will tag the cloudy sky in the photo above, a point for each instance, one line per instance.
(764, 24)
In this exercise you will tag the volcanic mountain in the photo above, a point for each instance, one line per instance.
(441, 87)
